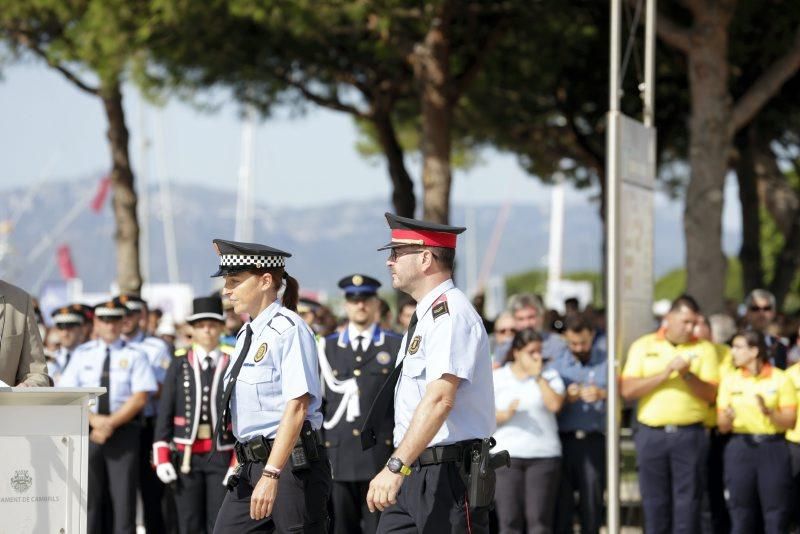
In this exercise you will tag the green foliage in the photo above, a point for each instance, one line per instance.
(673, 284)
(536, 282)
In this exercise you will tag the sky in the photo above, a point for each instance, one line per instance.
(50, 130)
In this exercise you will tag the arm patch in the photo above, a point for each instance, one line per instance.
(440, 309)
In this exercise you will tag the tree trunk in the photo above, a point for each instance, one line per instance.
(403, 199)
(432, 73)
(124, 200)
(709, 148)
(750, 253)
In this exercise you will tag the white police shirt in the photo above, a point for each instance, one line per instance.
(129, 371)
(159, 356)
(449, 339)
(281, 365)
(57, 365)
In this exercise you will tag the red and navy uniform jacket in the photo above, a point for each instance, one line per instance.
(180, 407)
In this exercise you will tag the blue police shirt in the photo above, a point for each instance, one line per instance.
(159, 357)
(129, 371)
(579, 415)
(282, 364)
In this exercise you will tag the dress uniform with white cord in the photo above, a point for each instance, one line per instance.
(355, 363)
(115, 421)
(188, 410)
(440, 477)
(273, 399)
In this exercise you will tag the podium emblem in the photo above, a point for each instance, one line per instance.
(21, 481)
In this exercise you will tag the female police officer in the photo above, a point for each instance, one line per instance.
(272, 397)
(757, 403)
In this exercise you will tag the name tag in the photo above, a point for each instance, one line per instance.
(247, 364)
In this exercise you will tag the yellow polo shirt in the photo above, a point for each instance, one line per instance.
(672, 402)
(739, 389)
(725, 359)
(793, 373)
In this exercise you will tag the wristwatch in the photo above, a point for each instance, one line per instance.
(396, 466)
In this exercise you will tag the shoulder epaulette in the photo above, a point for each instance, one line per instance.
(440, 307)
(280, 323)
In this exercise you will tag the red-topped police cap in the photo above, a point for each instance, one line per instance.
(407, 231)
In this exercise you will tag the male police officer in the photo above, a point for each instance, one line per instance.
(444, 401)
(355, 364)
(70, 324)
(188, 409)
(159, 356)
(114, 440)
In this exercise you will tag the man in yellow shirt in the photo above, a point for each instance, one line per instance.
(793, 440)
(673, 376)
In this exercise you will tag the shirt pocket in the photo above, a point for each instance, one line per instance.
(414, 373)
(261, 385)
(120, 384)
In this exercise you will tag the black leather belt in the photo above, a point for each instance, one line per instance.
(755, 439)
(444, 453)
(255, 450)
(671, 429)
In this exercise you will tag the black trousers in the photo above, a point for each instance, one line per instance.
(720, 521)
(301, 504)
(526, 495)
(350, 512)
(583, 470)
(151, 489)
(672, 469)
(114, 470)
(199, 494)
(794, 456)
(759, 483)
(433, 500)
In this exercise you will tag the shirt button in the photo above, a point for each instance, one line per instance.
(205, 417)
(205, 388)
(358, 358)
(385, 371)
(388, 442)
(205, 397)
(356, 432)
(327, 443)
(186, 384)
(335, 372)
(357, 372)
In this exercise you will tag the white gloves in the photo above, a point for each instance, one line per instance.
(227, 476)
(166, 473)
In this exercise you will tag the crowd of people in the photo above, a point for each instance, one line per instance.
(716, 433)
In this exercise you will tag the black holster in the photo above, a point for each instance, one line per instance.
(478, 471)
(305, 449)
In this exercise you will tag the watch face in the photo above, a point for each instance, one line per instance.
(394, 465)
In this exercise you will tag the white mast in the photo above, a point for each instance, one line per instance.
(556, 243)
(170, 247)
(245, 198)
(143, 193)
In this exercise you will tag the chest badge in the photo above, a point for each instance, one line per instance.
(262, 350)
(414, 347)
(383, 358)
(123, 363)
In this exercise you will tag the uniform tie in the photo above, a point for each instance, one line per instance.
(359, 345)
(209, 370)
(385, 397)
(104, 403)
(225, 417)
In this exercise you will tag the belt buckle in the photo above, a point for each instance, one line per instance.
(204, 431)
(580, 434)
(670, 429)
(758, 438)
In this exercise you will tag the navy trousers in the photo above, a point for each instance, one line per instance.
(672, 467)
(758, 478)
(583, 470)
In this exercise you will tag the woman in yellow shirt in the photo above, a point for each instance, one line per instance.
(756, 403)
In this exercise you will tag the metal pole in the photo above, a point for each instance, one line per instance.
(650, 63)
(612, 277)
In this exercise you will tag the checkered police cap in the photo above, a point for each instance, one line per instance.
(237, 257)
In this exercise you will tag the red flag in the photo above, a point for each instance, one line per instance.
(102, 192)
(65, 264)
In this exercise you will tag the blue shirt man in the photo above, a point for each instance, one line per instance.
(583, 366)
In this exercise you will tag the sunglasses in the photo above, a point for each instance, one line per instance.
(760, 308)
(394, 254)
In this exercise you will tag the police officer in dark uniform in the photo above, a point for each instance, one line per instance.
(115, 423)
(355, 364)
(273, 399)
(188, 410)
(444, 412)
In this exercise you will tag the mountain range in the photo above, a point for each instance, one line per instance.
(327, 242)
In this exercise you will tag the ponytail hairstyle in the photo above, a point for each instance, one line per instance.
(280, 277)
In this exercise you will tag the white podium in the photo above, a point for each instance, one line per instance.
(44, 459)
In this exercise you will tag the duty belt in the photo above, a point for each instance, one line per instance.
(755, 439)
(255, 450)
(671, 429)
(445, 453)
